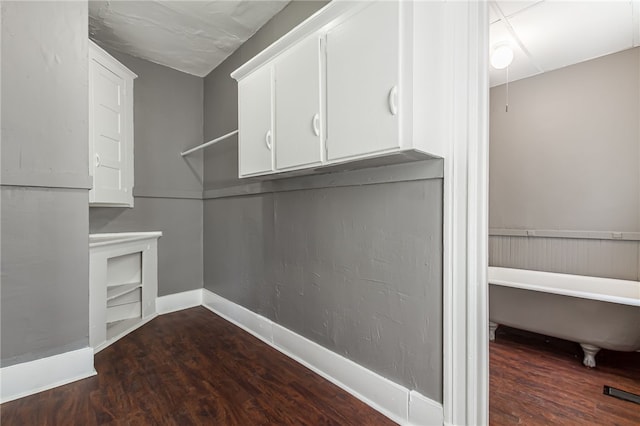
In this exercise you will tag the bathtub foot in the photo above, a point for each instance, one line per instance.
(492, 330)
(590, 352)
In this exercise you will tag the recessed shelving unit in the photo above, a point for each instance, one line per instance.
(124, 283)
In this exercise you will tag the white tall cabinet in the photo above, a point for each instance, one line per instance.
(110, 130)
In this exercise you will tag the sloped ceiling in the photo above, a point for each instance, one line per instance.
(196, 36)
(190, 36)
(551, 34)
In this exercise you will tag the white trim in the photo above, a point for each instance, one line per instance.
(466, 385)
(27, 378)
(376, 391)
(98, 53)
(394, 401)
(249, 321)
(635, 13)
(424, 411)
(328, 16)
(554, 233)
(422, 170)
(178, 301)
(113, 238)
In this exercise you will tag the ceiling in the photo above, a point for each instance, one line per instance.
(551, 34)
(196, 36)
(190, 36)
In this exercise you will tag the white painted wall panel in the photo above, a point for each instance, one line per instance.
(597, 258)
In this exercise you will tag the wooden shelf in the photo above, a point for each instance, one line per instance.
(121, 290)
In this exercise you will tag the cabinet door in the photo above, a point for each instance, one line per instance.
(362, 83)
(297, 113)
(256, 137)
(109, 137)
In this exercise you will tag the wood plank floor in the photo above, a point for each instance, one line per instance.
(537, 380)
(193, 368)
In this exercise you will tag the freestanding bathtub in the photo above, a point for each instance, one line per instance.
(595, 312)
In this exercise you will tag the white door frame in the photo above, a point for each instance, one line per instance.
(466, 361)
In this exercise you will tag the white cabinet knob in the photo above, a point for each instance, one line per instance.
(316, 124)
(393, 100)
(267, 139)
(97, 160)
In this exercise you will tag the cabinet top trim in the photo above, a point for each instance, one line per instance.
(97, 51)
(329, 16)
(99, 240)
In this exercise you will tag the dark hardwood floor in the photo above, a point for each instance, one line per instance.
(193, 368)
(537, 380)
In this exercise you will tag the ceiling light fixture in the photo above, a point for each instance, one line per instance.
(502, 56)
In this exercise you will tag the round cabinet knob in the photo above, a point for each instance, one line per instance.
(393, 100)
(267, 139)
(315, 122)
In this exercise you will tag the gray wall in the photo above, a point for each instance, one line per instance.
(168, 118)
(44, 224)
(356, 268)
(566, 157)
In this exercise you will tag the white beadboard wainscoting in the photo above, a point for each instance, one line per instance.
(595, 257)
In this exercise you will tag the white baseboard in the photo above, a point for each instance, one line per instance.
(27, 378)
(424, 411)
(178, 301)
(394, 401)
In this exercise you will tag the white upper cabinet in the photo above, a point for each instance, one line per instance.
(298, 117)
(110, 130)
(358, 82)
(363, 83)
(255, 118)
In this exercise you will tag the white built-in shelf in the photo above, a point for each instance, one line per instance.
(120, 290)
(118, 329)
(123, 275)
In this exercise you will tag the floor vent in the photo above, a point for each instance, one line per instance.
(620, 394)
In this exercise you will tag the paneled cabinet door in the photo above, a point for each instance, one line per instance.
(255, 118)
(110, 138)
(363, 83)
(298, 109)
